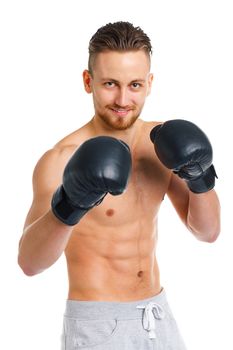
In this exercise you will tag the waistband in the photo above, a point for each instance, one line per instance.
(104, 310)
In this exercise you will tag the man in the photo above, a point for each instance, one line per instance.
(97, 195)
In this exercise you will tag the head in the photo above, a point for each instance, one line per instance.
(118, 73)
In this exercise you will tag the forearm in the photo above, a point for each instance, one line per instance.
(42, 243)
(203, 217)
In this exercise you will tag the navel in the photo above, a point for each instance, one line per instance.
(140, 273)
(110, 212)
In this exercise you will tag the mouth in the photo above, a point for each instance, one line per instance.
(120, 112)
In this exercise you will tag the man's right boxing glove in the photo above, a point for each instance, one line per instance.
(183, 147)
(99, 166)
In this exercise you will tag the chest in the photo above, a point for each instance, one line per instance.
(141, 200)
(149, 178)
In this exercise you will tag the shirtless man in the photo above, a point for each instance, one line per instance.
(97, 194)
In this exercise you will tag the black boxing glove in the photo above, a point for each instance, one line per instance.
(183, 147)
(99, 166)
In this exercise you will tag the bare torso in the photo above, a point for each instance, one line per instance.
(111, 255)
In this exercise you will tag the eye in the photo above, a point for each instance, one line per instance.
(136, 85)
(109, 84)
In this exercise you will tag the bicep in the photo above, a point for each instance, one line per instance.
(178, 193)
(47, 176)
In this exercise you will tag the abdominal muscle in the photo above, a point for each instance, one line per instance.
(113, 263)
(111, 254)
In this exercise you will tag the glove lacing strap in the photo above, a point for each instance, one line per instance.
(152, 311)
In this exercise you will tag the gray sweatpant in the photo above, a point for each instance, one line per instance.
(136, 325)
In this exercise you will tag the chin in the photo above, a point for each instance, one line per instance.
(119, 123)
(122, 126)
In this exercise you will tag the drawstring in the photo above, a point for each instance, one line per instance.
(152, 311)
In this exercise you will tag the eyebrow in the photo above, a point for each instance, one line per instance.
(116, 81)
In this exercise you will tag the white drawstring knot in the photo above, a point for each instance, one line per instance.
(152, 311)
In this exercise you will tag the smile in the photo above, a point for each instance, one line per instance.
(120, 112)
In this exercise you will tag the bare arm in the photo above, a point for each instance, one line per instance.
(42, 243)
(44, 237)
(199, 212)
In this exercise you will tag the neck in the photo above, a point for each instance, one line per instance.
(128, 135)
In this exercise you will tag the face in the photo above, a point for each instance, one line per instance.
(120, 83)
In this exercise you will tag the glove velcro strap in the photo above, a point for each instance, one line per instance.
(204, 183)
(64, 210)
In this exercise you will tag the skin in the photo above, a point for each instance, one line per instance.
(111, 252)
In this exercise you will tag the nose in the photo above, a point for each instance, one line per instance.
(122, 99)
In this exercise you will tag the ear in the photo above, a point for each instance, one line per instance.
(87, 81)
(150, 80)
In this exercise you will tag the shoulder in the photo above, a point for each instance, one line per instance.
(50, 166)
(74, 139)
(53, 157)
(57, 157)
(47, 174)
(149, 125)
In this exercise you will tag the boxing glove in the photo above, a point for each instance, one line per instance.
(183, 147)
(99, 166)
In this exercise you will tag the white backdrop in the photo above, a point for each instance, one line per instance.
(43, 53)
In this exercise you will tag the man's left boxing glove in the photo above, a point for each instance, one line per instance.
(183, 147)
(99, 166)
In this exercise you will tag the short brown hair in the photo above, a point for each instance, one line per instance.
(118, 36)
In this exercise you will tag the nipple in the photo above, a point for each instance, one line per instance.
(110, 212)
